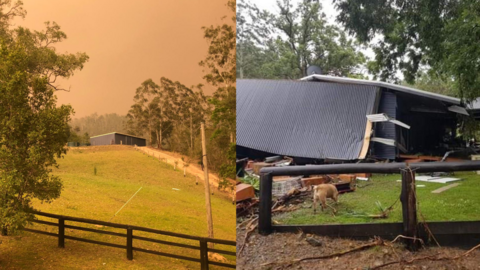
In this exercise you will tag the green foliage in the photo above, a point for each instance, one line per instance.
(432, 82)
(228, 168)
(73, 136)
(251, 180)
(220, 69)
(284, 45)
(440, 35)
(170, 114)
(146, 113)
(33, 129)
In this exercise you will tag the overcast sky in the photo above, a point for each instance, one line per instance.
(327, 7)
(128, 42)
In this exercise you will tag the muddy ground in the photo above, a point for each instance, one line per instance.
(285, 247)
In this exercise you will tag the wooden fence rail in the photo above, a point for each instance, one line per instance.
(129, 235)
(409, 227)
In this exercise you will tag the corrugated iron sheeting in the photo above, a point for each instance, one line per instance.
(387, 130)
(303, 119)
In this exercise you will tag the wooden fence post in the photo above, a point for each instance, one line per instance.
(61, 232)
(203, 255)
(409, 208)
(129, 243)
(265, 207)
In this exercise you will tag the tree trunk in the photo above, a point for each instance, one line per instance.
(191, 134)
(160, 137)
(241, 63)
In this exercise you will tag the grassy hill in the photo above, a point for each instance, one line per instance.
(120, 172)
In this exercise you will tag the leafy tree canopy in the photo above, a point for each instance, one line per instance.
(441, 35)
(286, 43)
(220, 72)
(33, 129)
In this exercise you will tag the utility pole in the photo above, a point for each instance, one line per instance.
(207, 186)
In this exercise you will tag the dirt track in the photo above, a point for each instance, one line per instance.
(193, 169)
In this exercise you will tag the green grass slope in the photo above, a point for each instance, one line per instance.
(120, 172)
(460, 203)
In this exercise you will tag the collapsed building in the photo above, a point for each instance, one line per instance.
(322, 119)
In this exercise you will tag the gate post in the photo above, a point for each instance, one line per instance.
(61, 232)
(203, 254)
(129, 243)
(409, 207)
(265, 207)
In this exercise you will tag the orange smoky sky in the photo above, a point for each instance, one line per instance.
(127, 42)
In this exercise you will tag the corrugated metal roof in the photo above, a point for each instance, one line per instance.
(118, 133)
(396, 87)
(303, 119)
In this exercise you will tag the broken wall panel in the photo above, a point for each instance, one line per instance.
(387, 130)
(304, 119)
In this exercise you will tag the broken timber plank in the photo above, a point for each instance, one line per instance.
(366, 140)
(442, 189)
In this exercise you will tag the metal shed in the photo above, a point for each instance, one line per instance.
(331, 118)
(117, 138)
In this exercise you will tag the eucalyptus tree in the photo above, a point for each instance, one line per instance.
(220, 68)
(145, 112)
(188, 108)
(33, 127)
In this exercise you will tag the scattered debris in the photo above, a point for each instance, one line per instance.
(383, 211)
(175, 189)
(313, 242)
(376, 242)
(248, 229)
(273, 159)
(283, 208)
(433, 179)
(244, 192)
(246, 206)
(317, 180)
(431, 258)
(442, 189)
(258, 165)
(280, 188)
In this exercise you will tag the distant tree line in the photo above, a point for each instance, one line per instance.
(81, 129)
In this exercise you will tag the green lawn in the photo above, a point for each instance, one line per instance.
(121, 171)
(456, 204)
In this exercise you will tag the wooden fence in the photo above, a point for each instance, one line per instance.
(453, 232)
(129, 235)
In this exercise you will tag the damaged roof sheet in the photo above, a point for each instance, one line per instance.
(395, 87)
(304, 119)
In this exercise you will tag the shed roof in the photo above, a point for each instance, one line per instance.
(395, 87)
(304, 119)
(118, 133)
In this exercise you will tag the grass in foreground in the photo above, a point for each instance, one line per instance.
(121, 171)
(460, 203)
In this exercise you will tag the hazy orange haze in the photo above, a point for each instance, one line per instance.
(127, 42)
